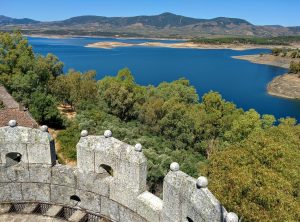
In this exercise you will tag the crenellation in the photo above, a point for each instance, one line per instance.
(109, 180)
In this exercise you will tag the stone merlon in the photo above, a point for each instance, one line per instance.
(109, 181)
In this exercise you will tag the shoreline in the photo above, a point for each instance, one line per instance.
(186, 45)
(96, 37)
(284, 86)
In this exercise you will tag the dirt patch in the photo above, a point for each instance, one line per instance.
(67, 110)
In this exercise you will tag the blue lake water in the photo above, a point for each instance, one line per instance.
(239, 81)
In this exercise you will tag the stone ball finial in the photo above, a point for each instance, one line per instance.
(107, 133)
(232, 217)
(84, 133)
(174, 166)
(138, 147)
(44, 128)
(202, 182)
(12, 123)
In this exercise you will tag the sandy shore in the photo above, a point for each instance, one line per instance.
(285, 86)
(266, 60)
(111, 45)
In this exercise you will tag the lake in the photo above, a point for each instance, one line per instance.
(239, 81)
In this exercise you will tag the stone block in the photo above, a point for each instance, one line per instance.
(40, 153)
(10, 192)
(188, 211)
(16, 173)
(110, 209)
(127, 215)
(93, 182)
(40, 173)
(85, 156)
(123, 195)
(53, 210)
(89, 201)
(63, 175)
(62, 194)
(77, 216)
(172, 202)
(36, 192)
(149, 206)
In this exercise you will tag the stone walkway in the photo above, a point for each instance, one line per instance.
(27, 218)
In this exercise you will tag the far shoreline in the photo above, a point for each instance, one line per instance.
(183, 45)
(93, 36)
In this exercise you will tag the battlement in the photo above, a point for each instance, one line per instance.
(109, 180)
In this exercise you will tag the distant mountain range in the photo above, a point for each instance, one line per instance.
(163, 25)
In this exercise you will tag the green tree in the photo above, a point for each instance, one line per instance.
(122, 96)
(259, 178)
(75, 88)
(43, 108)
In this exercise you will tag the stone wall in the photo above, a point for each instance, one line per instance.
(109, 180)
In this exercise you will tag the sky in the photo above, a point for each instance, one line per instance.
(258, 12)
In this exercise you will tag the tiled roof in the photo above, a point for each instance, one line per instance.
(7, 99)
(12, 111)
(23, 118)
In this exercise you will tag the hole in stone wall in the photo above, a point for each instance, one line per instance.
(13, 158)
(75, 197)
(108, 169)
(189, 219)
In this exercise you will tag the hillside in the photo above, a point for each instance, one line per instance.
(163, 25)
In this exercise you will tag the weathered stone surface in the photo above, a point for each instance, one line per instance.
(36, 192)
(110, 209)
(110, 179)
(89, 201)
(53, 210)
(40, 173)
(62, 194)
(39, 153)
(85, 155)
(77, 216)
(123, 195)
(27, 218)
(149, 206)
(10, 192)
(16, 173)
(93, 182)
(13, 147)
(63, 175)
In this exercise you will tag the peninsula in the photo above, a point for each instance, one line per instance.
(285, 86)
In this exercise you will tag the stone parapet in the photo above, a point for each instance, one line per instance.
(109, 181)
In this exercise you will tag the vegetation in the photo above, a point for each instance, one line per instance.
(1, 105)
(293, 54)
(286, 52)
(28, 77)
(253, 164)
(281, 40)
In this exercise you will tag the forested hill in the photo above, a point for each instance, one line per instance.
(163, 25)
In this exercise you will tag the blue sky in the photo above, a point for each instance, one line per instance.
(259, 12)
